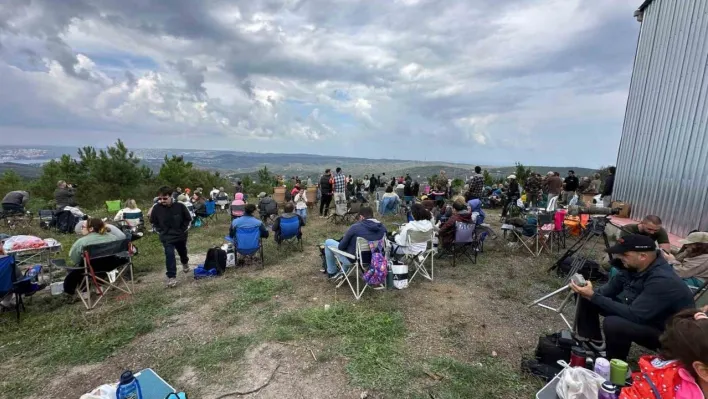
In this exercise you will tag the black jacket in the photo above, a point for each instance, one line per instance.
(609, 185)
(649, 298)
(325, 185)
(171, 222)
(571, 183)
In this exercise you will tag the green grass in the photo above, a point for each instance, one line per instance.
(371, 340)
(489, 378)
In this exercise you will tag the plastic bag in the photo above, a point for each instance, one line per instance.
(16, 243)
(102, 392)
(578, 383)
(230, 260)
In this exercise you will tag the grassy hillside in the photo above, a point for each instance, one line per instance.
(27, 171)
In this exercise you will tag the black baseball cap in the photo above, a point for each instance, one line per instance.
(633, 242)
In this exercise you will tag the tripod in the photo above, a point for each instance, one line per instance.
(591, 235)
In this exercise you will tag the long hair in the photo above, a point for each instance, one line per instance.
(96, 225)
(686, 340)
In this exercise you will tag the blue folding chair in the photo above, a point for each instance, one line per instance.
(209, 212)
(247, 242)
(11, 285)
(290, 233)
(388, 206)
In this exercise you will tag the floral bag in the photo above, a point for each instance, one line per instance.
(378, 268)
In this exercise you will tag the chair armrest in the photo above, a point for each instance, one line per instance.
(342, 253)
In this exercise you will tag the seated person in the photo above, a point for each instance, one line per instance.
(691, 264)
(650, 226)
(266, 206)
(288, 213)
(222, 199)
(428, 203)
(186, 202)
(460, 214)
(110, 229)
(247, 220)
(131, 208)
(94, 232)
(478, 217)
(682, 367)
(239, 203)
(199, 204)
(389, 202)
(15, 201)
(421, 223)
(366, 227)
(636, 303)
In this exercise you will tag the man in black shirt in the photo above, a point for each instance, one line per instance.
(570, 186)
(609, 185)
(171, 220)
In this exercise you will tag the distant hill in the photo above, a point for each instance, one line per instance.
(27, 171)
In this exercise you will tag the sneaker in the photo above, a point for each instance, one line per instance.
(171, 282)
(185, 268)
(335, 276)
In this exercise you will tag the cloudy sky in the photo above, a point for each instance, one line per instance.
(474, 81)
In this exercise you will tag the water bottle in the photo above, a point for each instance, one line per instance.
(602, 367)
(607, 391)
(128, 388)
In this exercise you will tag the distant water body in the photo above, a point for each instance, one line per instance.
(29, 161)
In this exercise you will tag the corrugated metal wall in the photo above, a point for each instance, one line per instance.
(662, 164)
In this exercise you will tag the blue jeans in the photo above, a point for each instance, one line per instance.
(329, 256)
(302, 213)
(170, 260)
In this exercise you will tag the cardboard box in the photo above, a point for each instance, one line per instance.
(625, 209)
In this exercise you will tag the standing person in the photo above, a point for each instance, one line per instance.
(475, 185)
(570, 186)
(339, 181)
(533, 189)
(350, 187)
(171, 220)
(609, 185)
(301, 204)
(64, 195)
(512, 194)
(15, 201)
(373, 183)
(554, 185)
(326, 193)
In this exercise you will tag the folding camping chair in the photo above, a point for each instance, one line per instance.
(466, 243)
(10, 285)
(353, 275)
(388, 206)
(113, 206)
(352, 211)
(527, 235)
(96, 284)
(247, 242)
(418, 260)
(700, 297)
(209, 212)
(290, 233)
(47, 219)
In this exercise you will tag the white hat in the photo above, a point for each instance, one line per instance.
(549, 173)
(512, 177)
(695, 238)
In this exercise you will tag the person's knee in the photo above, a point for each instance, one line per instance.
(614, 326)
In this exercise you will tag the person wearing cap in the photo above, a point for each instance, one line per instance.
(636, 303)
(650, 226)
(691, 264)
(366, 227)
(570, 186)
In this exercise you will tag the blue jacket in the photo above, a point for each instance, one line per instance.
(650, 297)
(368, 229)
(476, 206)
(248, 221)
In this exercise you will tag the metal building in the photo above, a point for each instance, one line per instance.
(662, 164)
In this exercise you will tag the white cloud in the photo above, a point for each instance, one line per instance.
(464, 72)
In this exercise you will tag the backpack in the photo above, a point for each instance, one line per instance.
(549, 350)
(378, 268)
(65, 222)
(215, 259)
(655, 375)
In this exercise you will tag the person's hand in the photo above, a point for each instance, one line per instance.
(586, 292)
(704, 309)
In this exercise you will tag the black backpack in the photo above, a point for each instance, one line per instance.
(550, 349)
(215, 259)
(590, 269)
(65, 222)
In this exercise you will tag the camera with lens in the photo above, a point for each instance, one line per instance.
(575, 210)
